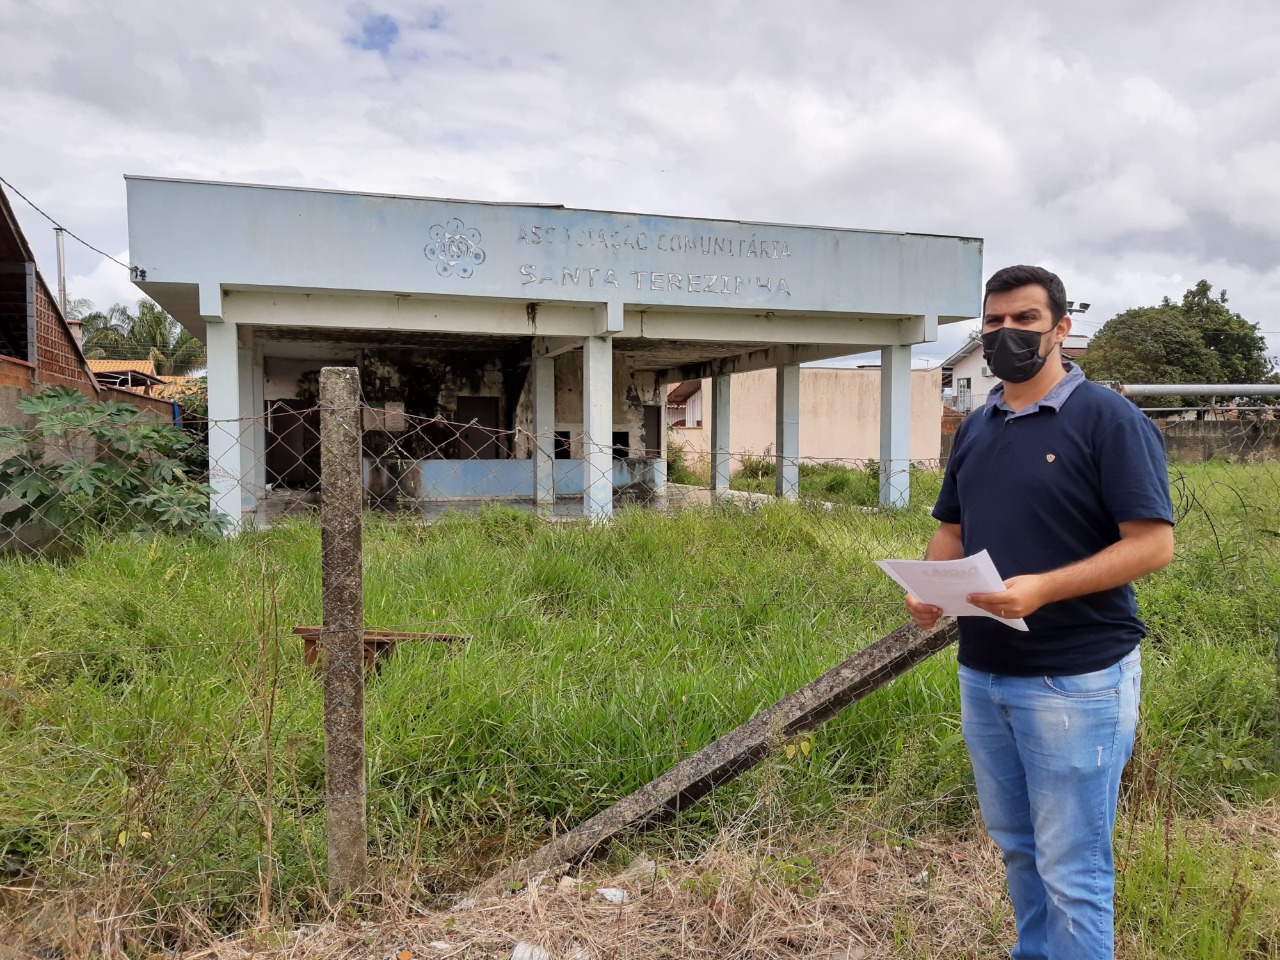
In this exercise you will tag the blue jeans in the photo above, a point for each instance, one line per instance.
(1047, 754)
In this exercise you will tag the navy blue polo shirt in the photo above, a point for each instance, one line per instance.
(1044, 487)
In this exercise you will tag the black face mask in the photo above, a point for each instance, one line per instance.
(1013, 355)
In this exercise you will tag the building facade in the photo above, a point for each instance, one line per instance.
(550, 332)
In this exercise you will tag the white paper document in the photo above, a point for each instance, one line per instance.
(946, 583)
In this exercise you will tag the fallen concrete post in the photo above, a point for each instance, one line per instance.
(738, 751)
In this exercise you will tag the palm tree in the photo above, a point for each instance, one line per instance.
(151, 334)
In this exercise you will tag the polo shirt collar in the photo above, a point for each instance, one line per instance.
(1054, 399)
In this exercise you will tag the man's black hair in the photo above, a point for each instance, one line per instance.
(1011, 278)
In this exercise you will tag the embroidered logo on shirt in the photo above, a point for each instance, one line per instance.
(1050, 457)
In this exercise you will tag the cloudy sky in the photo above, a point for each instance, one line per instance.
(1132, 146)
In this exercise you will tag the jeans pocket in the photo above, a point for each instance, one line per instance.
(1088, 686)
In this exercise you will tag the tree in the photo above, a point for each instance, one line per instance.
(151, 334)
(1241, 350)
(1196, 341)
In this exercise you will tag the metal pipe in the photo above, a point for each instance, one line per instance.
(1196, 389)
(1209, 409)
(62, 273)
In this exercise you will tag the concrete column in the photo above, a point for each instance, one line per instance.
(895, 426)
(225, 475)
(787, 471)
(720, 448)
(597, 423)
(258, 382)
(660, 467)
(544, 428)
(251, 428)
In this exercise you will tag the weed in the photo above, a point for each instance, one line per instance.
(86, 467)
(150, 688)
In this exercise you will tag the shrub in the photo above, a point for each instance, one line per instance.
(678, 469)
(86, 467)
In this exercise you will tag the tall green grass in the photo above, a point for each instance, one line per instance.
(157, 715)
(850, 484)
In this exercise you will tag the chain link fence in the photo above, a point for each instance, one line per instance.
(162, 730)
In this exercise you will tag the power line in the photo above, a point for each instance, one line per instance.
(103, 253)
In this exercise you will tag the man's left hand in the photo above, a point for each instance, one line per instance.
(1021, 597)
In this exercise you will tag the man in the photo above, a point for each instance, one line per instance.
(1064, 482)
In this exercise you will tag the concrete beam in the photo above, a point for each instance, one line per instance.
(609, 319)
(763, 358)
(554, 346)
(769, 327)
(210, 301)
(347, 310)
(738, 751)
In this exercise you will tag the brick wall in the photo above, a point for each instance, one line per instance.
(17, 380)
(1197, 441)
(163, 409)
(58, 360)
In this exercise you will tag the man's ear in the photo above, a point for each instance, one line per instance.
(1061, 330)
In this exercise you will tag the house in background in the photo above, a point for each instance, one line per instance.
(966, 379)
(38, 349)
(839, 416)
(138, 376)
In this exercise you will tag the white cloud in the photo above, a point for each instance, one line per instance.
(1130, 145)
(108, 283)
(1129, 201)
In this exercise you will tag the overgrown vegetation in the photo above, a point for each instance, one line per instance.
(161, 738)
(678, 468)
(855, 484)
(91, 467)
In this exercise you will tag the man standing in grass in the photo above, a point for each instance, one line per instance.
(1064, 482)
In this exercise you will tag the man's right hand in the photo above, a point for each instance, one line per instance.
(924, 614)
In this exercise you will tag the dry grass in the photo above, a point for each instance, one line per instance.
(859, 898)
(748, 897)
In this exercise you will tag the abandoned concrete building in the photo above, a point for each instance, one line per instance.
(520, 351)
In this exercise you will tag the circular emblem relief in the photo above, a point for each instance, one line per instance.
(455, 248)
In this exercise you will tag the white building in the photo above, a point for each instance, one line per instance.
(839, 415)
(537, 320)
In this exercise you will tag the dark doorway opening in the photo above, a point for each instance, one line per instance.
(293, 444)
(653, 431)
(564, 446)
(478, 440)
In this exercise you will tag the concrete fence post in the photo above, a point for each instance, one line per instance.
(342, 632)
